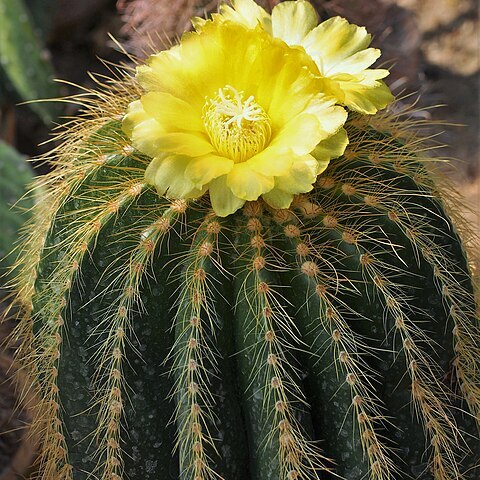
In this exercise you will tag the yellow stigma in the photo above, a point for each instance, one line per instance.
(238, 128)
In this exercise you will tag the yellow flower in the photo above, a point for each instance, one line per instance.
(338, 48)
(234, 111)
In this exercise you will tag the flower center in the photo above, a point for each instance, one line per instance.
(237, 128)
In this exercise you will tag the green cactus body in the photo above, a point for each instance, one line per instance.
(338, 337)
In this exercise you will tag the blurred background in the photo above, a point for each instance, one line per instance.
(431, 46)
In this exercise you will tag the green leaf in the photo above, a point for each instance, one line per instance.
(15, 175)
(23, 59)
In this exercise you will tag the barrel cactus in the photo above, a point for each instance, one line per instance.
(217, 286)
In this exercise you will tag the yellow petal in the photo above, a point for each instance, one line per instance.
(330, 116)
(145, 137)
(292, 90)
(189, 71)
(301, 177)
(143, 130)
(366, 98)
(192, 144)
(172, 113)
(152, 168)
(292, 21)
(300, 135)
(332, 147)
(265, 67)
(247, 13)
(357, 62)
(271, 161)
(167, 174)
(135, 114)
(277, 198)
(333, 119)
(202, 170)
(198, 23)
(224, 202)
(342, 57)
(368, 78)
(149, 75)
(322, 166)
(247, 184)
(333, 41)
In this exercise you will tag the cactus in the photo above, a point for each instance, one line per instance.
(168, 341)
(26, 72)
(338, 337)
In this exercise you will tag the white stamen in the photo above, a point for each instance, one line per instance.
(238, 128)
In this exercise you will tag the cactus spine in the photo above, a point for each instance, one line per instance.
(338, 337)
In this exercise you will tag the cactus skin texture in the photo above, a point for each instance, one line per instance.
(336, 338)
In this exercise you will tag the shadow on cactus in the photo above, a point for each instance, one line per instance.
(216, 286)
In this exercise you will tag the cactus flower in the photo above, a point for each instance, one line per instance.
(237, 112)
(338, 48)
